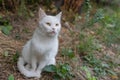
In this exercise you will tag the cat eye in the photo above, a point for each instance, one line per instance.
(48, 24)
(57, 24)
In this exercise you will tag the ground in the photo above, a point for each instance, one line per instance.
(11, 45)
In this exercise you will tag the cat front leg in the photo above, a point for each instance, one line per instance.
(51, 61)
(34, 67)
(33, 63)
(51, 56)
(41, 65)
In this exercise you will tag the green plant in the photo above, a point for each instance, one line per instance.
(15, 56)
(68, 52)
(5, 26)
(88, 74)
(22, 10)
(109, 29)
(11, 77)
(87, 44)
(90, 19)
(61, 71)
(6, 53)
(17, 36)
(99, 67)
(98, 16)
(89, 7)
(6, 29)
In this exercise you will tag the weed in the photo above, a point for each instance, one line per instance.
(88, 74)
(100, 68)
(109, 29)
(26, 30)
(6, 29)
(62, 71)
(11, 77)
(87, 44)
(88, 10)
(98, 16)
(5, 26)
(23, 11)
(15, 56)
(17, 36)
(6, 53)
(68, 52)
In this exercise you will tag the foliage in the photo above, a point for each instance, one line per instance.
(99, 67)
(87, 44)
(61, 71)
(88, 10)
(22, 9)
(6, 53)
(104, 24)
(90, 17)
(112, 24)
(17, 36)
(68, 52)
(98, 16)
(6, 29)
(108, 32)
(88, 74)
(5, 26)
(15, 56)
(11, 77)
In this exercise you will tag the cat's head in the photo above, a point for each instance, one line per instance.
(49, 25)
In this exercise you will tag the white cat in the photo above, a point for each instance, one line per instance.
(42, 48)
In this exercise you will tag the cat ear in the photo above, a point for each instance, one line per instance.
(41, 13)
(58, 16)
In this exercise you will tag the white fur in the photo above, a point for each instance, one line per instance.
(42, 48)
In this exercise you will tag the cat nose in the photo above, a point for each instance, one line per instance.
(53, 28)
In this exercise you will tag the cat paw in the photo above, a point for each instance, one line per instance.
(33, 74)
(28, 67)
(52, 62)
(38, 75)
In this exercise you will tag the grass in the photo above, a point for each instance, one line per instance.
(110, 28)
(88, 74)
(68, 52)
(61, 71)
(100, 67)
(107, 33)
(11, 77)
(5, 26)
(16, 56)
(88, 44)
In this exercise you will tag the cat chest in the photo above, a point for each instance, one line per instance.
(41, 53)
(42, 48)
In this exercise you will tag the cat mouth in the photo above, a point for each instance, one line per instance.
(52, 32)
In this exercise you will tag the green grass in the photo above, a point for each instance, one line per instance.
(11, 77)
(109, 30)
(107, 33)
(67, 52)
(100, 67)
(60, 72)
(88, 44)
(15, 56)
(88, 74)
(5, 26)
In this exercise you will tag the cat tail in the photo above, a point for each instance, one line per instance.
(24, 71)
